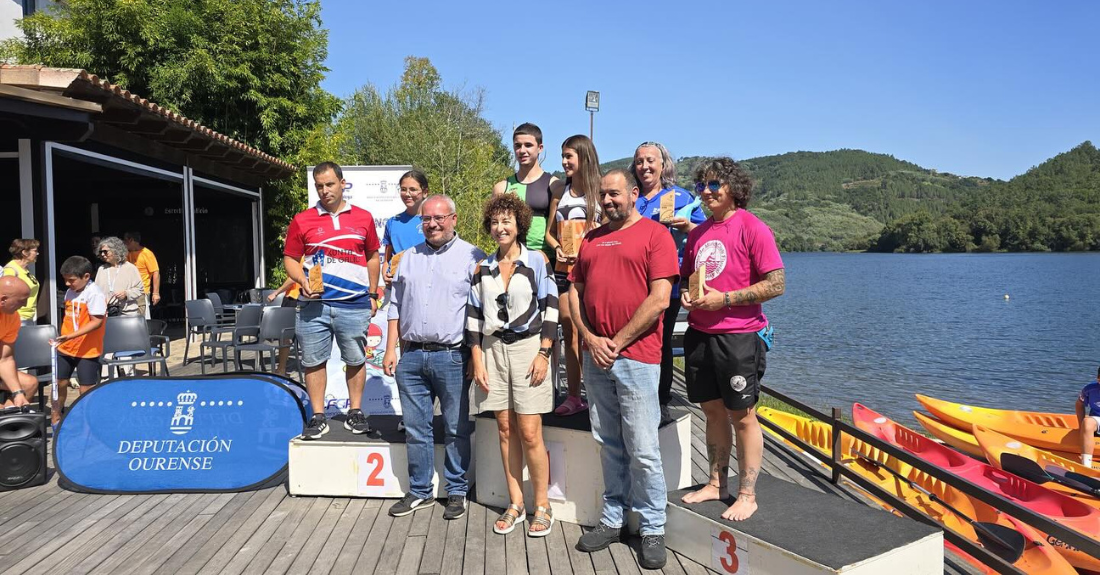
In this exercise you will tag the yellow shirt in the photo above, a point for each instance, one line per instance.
(146, 264)
(28, 311)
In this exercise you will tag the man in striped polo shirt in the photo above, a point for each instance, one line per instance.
(339, 280)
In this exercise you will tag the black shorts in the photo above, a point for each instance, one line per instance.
(289, 302)
(726, 366)
(87, 369)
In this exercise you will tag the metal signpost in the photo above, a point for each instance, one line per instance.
(592, 104)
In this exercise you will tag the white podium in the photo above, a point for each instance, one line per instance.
(576, 475)
(342, 464)
(797, 531)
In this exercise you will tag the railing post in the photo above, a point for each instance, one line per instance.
(836, 445)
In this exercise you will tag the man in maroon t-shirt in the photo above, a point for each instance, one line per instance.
(621, 286)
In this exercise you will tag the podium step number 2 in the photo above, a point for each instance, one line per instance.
(376, 476)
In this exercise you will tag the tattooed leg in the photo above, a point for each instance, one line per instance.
(750, 453)
(719, 443)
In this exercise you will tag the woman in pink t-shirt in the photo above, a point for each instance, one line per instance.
(735, 262)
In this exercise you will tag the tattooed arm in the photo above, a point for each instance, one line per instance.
(772, 286)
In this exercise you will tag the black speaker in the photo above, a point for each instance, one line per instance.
(22, 450)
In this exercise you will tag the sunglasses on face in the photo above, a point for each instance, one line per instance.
(104, 252)
(713, 186)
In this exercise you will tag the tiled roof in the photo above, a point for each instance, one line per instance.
(80, 84)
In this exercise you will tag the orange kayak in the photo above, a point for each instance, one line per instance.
(962, 440)
(1051, 431)
(1038, 556)
(994, 444)
(1065, 510)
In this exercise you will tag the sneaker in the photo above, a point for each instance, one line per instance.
(600, 537)
(401, 425)
(357, 422)
(408, 504)
(666, 416)
(456, 507)
(316, 427)
(653, 555)
(572, 405)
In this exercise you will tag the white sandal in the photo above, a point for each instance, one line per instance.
(546, 521)
(508, 518)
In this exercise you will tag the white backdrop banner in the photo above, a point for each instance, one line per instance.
(375, 189)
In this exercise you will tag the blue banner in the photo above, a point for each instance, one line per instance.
(158, 435)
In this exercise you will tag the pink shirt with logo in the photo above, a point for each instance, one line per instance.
(736, 254)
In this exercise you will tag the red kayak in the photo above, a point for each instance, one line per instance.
(1065, 510)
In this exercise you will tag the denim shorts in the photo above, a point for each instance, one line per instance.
(318, 322)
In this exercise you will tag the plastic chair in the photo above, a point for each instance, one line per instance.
(127, 339)
(277, 325)
(202, 321)
(277, 302)
(32, 353)
(247, 326)
(222, 311)
(157, 338)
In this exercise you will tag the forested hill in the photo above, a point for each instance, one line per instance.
(841, 199)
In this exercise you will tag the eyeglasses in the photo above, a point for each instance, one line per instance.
(104, 252)
(713, 186)
(502, 307)
(436, 219)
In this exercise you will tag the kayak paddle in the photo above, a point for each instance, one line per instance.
(1031, 471)
(1004, 542)
(1085, 480)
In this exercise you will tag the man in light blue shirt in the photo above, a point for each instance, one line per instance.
(428, 313)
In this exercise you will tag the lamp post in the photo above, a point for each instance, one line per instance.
(592, 104)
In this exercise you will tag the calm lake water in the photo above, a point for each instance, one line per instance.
(877, 328)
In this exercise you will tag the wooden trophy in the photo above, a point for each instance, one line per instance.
(696, 284)
(668, 207)
(571, 233)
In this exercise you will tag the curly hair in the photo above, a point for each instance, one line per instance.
(727, 171)
(508, 204)
(118, 249)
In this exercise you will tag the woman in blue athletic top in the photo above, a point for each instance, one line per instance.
(655, 171)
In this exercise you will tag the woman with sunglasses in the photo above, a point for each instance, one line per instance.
(119, 279)
(731, 265)
(511, 324)
(575, 207)
(24, 252)
(655, 171)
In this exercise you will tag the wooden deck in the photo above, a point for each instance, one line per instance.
(48, 529)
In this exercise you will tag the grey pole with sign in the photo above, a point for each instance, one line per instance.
(592, 104)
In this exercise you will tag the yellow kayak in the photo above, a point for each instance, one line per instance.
(964, 441)
(994, 444)
(1038, 556)
(1050, 431)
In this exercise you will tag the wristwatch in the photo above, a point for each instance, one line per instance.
(18, 392)
(545, 352)
(374, 295)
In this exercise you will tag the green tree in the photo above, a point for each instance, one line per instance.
(250, 69)
(440, 131)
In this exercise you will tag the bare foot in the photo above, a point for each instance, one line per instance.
(709, 492)
(741, 509)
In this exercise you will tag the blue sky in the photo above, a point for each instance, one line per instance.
(978, 88)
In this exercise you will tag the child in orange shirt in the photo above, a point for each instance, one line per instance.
(81, 340)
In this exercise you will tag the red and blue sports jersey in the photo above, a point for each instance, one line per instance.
(341, 243)
(1090, 396)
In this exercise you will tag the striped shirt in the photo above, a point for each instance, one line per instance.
(531, 303)
(430, 289)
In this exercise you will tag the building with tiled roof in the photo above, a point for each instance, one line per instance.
(81, 156)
